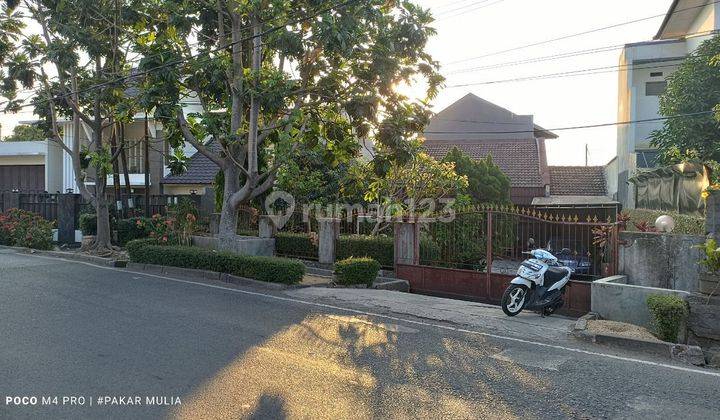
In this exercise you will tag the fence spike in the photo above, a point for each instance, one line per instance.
(588, 218)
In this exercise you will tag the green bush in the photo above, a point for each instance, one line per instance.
(299, 245)
(379, 248)
(356, 271)
(26, 229)
(88, 224)
(133, 228)
(268, 269)
(669, 313)
(684, 224)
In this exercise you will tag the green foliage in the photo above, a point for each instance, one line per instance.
(297, 245)
(693, 88)
(268, 269)
(486, 182)
(669, 313)
(88, 223)
(684, 224)
(420, 179)
(25, 132)
(356, 271)
(379, 248)
(26, 229)
(711, 256)
(317, 174)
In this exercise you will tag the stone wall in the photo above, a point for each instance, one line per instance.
(614, 299)
(243, 245)
(660, 260)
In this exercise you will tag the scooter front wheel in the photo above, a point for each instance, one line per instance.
(513, 299)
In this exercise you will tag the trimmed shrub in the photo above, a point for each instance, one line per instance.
(379, 248)
(669, 313)
(26, 229)
(356, 271)
(88, 224)
(268, 269)
(298, 245)
(131, 229)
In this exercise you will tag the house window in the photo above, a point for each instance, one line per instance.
(656, 74)
(647, 158)
(655, 88)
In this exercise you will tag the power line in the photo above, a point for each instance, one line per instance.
(573, 73)
(182, 60)
(462, 12)
(547, 41)
(579, 127)
(560, 55)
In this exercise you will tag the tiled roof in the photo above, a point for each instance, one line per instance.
(518, 159)
(577, 180)
(200, 170)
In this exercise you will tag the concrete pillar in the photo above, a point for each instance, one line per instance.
(328, 236)
(712, 214)
(407, 243)
(214, 223)
(68, 217)
(266, 227)
(207, 202)
(11, 200)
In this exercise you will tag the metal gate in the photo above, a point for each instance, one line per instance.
(474, 255)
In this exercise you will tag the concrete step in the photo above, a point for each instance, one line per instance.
(316, 269)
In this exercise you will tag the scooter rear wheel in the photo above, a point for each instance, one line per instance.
(513, 299)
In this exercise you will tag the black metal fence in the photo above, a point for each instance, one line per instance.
(44, 204)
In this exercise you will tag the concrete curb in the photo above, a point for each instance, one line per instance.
(71, 256)
(681, 352)
(205, 275)
(391, 284)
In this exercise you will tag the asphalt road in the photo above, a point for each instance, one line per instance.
(71, 329)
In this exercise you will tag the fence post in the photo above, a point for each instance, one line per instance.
(488, 252)
(11, 200)
(407, 245)
(266, 227)
(328, 235)
(712, 214)
(67, 217)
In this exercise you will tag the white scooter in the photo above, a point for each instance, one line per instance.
(540, 285)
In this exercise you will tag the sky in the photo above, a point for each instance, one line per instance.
(468, 29)
(473, 28)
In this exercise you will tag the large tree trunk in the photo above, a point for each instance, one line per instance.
(103, 240)
(229, 212)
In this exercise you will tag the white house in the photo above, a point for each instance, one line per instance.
(60, 175)
(644, 68)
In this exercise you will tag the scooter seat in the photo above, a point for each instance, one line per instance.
(554, 275)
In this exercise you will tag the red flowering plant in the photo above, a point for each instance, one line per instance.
(24, 228)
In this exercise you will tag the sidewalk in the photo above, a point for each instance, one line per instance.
(528, 325)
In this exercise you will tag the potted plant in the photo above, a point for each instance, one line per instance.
(710, 279)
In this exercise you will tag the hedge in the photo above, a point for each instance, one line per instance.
(267, 269)
(356, 271)
(684, 224)
(669, 313)
(379, 248)
(128, 229)
(297, 245)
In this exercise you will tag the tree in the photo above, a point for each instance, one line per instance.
(418, 185)
(486, 182)
(24, 132)
(77, 64)
(277, 74)
(693, 89)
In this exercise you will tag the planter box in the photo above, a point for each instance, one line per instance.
(709, 283)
